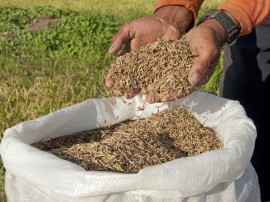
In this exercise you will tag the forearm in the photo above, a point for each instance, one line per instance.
(249, 13)
(178, 16)
(192, 5)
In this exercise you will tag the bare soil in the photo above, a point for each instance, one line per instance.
(41, 24)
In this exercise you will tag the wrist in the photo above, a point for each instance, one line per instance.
(236, 22)
(178, 16)
(225, 24)
(219, 30)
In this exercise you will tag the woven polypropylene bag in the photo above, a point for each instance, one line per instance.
(221, 175)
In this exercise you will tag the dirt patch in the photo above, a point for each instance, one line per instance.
(41, 24)
(9, 35)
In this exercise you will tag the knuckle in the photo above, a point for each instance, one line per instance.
(126, 27)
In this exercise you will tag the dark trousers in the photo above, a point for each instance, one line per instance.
(246, 78)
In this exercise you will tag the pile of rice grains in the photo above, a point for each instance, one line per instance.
(164, 65)
(129, 146)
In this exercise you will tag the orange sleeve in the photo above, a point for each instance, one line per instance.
(193, 5)
(249, 13)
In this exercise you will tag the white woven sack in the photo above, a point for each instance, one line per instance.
(221, 175)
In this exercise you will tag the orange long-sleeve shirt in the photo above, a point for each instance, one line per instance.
(249, 13)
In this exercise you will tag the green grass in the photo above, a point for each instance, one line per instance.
(124, 8)
(64, 65)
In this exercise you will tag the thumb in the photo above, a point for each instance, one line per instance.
(199, 69)
(198, 66)
(205, 46)
(122, 37)
(202, 69)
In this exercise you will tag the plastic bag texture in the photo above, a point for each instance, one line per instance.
(221, 175)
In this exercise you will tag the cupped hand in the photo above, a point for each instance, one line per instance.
(205, 43)
(167, 22)
(141, 32)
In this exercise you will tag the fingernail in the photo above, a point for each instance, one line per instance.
(108, 83)
(195, 77)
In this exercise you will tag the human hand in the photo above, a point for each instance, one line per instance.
(205, 43)
(168, 21)
(159, 70)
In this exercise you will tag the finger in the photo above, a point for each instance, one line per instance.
(197, 71)
(164, 98)
(176, 95)
(189, 90)
(171, 33)
(170, 97)
(109, 83)
(117, 92)
(132, 93)
(150, 87)
(206, 57)
(120, 38)
(205, 47)
(152, 98)
(144, 90)
(202, 70)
